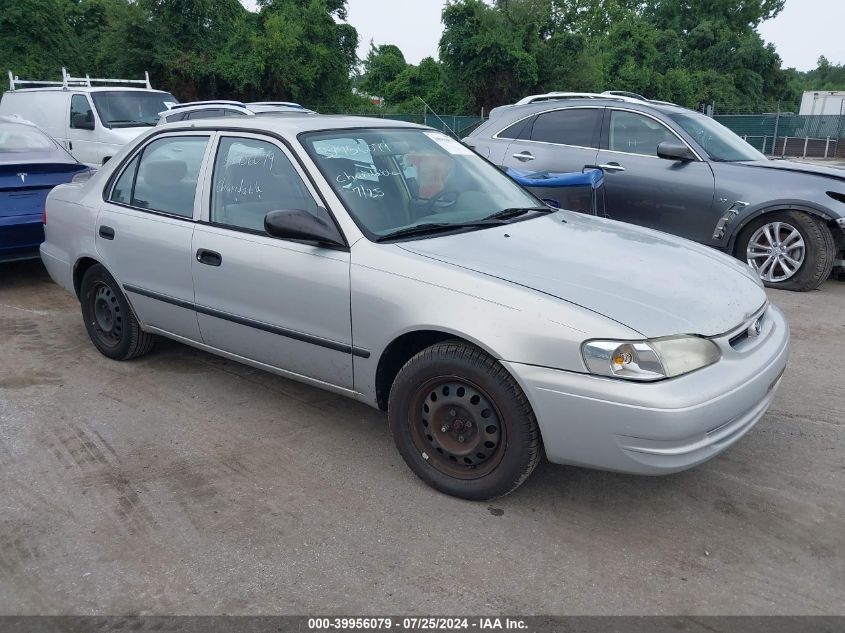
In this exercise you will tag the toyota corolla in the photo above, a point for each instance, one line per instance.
(387, 262)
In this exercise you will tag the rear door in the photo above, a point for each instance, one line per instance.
(145, 228)
(283, 303)
(560, 140)
(563, 140)
(641, 188)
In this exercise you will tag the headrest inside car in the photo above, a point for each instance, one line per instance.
(161, 173)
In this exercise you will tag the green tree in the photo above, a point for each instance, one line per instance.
(36, 40)
(486, 56)
(383, 64)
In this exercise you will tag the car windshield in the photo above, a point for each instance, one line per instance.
(128, 108)
(405, 181)
(23, 138)
(718, 141)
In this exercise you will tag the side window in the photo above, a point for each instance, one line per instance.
(179, 116)
(519, 130)
(167, 175)
(570, 126)
(636, 134)
(122, 190)
(252, 178)
(81, 114)
(233, 113)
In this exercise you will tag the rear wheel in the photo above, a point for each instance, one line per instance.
(112, 327)
(461, 422)
(791, 250)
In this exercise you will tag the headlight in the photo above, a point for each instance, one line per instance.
(649, 360)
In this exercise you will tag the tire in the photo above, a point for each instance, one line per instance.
(109, 319)
(816, 255)
(462, 423)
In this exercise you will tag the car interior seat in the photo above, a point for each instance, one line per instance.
(162, 186)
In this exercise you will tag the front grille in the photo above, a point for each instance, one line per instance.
(737, 341)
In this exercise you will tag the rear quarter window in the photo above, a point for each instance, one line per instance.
(521, 130)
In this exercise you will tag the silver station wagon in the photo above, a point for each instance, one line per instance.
(387, 262)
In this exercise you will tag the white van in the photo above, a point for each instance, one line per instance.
(92, 123)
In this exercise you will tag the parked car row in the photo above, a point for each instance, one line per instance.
(387, 262)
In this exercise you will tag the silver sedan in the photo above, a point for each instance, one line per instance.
(389, 263)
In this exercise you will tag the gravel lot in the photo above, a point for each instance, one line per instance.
(184, 483)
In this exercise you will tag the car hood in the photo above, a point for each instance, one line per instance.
(798, 167)
(649, 281)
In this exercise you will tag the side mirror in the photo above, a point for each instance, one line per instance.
(675, 150)
(295, 224)
(81, 122)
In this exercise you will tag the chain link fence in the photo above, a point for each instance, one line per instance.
(455, 125)
(776, 129)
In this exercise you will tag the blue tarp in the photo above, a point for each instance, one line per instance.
(588, 178)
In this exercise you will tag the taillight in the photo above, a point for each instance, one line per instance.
(44, 216)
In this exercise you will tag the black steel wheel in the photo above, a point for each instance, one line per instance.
(457, 425)
(107, 315)
(109, 320)
(462, 423)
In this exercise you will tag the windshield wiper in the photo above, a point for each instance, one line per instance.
(436, 227)
(128, 123)
(515, 212)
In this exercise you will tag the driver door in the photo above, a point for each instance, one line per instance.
(82, 142)
(641, 188)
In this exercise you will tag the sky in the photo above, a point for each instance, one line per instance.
(803, 31)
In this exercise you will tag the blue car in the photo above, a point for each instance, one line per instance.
(31, 164)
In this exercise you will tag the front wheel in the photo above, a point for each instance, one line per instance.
(790, 250)
(462, 423)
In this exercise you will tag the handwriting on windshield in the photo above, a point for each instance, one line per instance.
(364, 173)
(359, 149)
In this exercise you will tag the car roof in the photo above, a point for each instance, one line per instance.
(570, 102)
(290, 126)
(182, 108)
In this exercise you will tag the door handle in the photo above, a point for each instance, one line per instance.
(611, 167)
(70, 145)
(106, 232)
(209, 258)
(524, 156)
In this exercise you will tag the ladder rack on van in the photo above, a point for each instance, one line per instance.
(67, 81)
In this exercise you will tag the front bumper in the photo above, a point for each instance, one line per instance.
(661, 427)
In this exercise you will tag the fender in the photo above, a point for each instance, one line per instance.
(771, 206)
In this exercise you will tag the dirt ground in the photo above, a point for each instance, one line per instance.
(185, 483)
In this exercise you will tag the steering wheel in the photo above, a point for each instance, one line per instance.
(442, 200)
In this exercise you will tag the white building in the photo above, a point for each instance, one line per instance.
(823, 102)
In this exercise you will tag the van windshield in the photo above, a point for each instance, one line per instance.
(131, 108)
